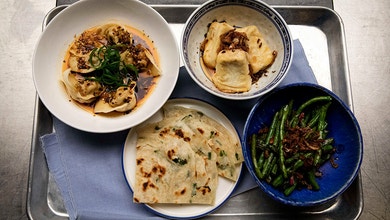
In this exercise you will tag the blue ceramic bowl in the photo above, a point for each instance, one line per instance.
(342, 126)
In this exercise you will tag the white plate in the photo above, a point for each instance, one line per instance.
(225, 186)
(54, 41)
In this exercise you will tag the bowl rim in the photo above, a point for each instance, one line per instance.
(263, 185)
(268, 11)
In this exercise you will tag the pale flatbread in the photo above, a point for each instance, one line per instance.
(168, 171)
(205, 133)
(180, 157)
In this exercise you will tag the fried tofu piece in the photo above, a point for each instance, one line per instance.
(232, 74)
(261, 56)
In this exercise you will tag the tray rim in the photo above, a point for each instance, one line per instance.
(40, 109)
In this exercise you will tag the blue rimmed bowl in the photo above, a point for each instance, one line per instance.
(342, 126)
(238, 13)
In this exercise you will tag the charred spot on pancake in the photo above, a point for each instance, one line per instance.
(204, 189)
(181, 192)
(171, 153)
(139, 160)
(164, 132)
(148, 185)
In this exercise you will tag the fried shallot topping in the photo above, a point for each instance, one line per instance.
(234, 40)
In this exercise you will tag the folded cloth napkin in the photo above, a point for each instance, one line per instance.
(87, 167)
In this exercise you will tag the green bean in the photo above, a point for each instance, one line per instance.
(267, 164)
(275, 168)
(325, 158)
(304, 122)
(278, 181)
(254, 158)
(297, 165)
(321, 120)
(327, 141)
(259, 174)
(260, 162)
(253, 149)
(282, 132)
(272, 128)
(271, 166)
(308, 154)
(294, 121)
(292, 158)
(283, 122)
(317, 157)
(312, 180)
(281, 161)
(327, 148)
(314, 119)
(277, 129)
(313, 100)
(290, 189)
(290, 106)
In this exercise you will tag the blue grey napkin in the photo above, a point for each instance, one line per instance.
(87, 167)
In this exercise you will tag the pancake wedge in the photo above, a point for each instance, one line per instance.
(180, 157)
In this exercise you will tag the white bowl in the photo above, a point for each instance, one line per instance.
(238, 13)
(60, 32)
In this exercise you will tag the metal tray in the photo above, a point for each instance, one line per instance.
(321, 33)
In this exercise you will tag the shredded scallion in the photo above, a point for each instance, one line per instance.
(111, 71)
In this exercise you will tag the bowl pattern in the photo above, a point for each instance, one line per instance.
(238, 13)
(342, 126)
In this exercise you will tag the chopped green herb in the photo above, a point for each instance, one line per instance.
(222, 153)
(157, 128)
(193, 193)
(222, 166)
(180, 161)
(187, 116)
(200, 113)
(110, 70)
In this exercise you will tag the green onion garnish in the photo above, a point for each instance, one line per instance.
(110, 70)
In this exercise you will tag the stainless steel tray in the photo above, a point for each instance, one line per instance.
(321, 33)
